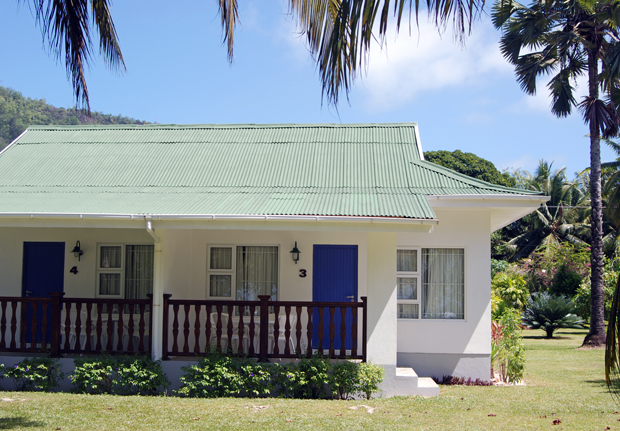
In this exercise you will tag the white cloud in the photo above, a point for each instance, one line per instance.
(425, 61)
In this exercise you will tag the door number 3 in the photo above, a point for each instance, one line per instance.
(302, 273)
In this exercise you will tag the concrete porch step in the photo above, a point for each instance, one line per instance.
(407, 383)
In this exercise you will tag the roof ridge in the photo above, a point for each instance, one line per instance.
(220, 126)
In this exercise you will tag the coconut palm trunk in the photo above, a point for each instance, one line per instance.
(596, 335)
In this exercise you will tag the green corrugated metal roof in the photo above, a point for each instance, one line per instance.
(331, 170)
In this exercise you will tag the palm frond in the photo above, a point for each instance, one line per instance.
(603, 116)
(229, 14)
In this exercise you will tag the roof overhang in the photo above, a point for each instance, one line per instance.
(219, 221)
(505, 209)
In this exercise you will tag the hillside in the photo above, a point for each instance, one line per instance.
(18, 112)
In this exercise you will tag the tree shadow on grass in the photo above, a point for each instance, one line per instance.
(19, 422)
(542, 337)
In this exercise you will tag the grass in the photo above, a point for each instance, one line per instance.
(561, 382)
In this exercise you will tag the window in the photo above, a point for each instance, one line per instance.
(124, 271)
(251, 272)
(433, 288)
(407, 281)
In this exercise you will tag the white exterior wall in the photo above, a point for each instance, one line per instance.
(436, 347)
(82, 284)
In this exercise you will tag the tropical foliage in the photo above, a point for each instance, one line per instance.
(567, 39)
(471, 165)
(18, 112)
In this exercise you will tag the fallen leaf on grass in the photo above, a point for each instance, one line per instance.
(468, 408)
(289, 420)
(492, 415)
(368, 408)
(607, 428)
(556, 422)
(543, 416)
(109, 408)
(196, 419)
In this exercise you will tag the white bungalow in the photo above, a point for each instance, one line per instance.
(205, 218)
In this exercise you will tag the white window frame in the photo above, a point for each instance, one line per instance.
(411, 274)
(418, 275)
(233, 271)
(121, 270)
(101, 270)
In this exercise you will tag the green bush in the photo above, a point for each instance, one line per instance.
(511, 288)
(507, 351)
(370, 377)
(224, 376)
(35, 374)
(565, 282)
(548, 312)
(315, 377)
(119, 375)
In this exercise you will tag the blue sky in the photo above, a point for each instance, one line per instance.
(463, 99)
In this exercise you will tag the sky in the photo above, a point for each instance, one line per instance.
(463, 98)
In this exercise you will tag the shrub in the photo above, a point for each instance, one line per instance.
(370, 377)
(35, 374)
(511, 288)
(224, 376)
(120, 375)
(565, 282)
(508, 352)
(498, 266)
(315, 377)
(548, 312)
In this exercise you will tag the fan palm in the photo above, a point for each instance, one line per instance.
(338, 32)
(568, 39)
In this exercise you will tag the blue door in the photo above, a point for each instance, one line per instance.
(43, 272)
(334, 279)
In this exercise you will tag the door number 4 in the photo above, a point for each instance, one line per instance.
(73, 270)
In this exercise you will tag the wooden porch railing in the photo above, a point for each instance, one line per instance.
(264, 329)
(75, 325)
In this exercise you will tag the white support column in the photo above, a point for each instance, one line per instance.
(381, 267)
(158, 292)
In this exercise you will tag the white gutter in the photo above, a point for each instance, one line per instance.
(538, 198)
(149, 229)
(302, 218)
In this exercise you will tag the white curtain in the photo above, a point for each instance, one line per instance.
(257, 272)
(138, 271)
(221, 258)
(110, 256)
(443, 285)
(219, 285)
(407, 288)
(407, 260)
(109, 283)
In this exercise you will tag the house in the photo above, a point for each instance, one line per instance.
(246, 236)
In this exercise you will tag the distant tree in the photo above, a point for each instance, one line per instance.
(18, 112)
(471, 165)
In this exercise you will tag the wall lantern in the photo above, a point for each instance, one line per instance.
(295, 252)
(77, 252)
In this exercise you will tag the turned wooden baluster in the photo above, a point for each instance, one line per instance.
(44, 306)
(78, 326)
(354, 332)
(89, 326)
(276, 330)
(218, 328)
(110, 328)
(13, 324)
(197, 308)
(121, 327)
(141, 328)
(175, 328)
(186, 309)
(3, 305)
(321, 330)
(287, 330)
(309, 331)
(209, 309)
(332, 330)
(99, 328)
(298, 332)
(67, 326)
(231, 313)
(22, 326)
(343, 331)
(252, 330)
(240, 330)
(130, 329)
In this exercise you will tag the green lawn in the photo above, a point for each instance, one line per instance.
(561, 382)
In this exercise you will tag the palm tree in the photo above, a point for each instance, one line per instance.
(561, 219)
(339, 32)
(569, 39)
